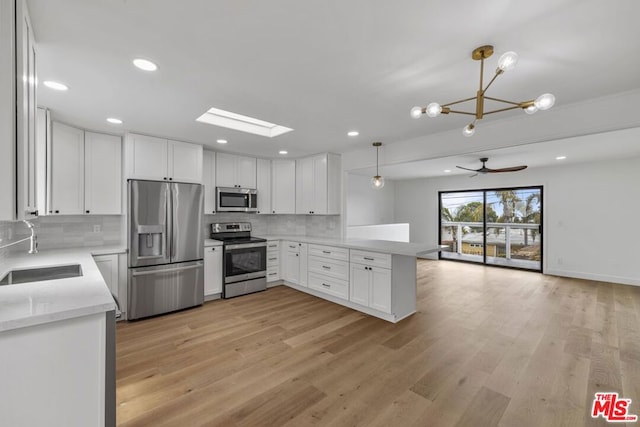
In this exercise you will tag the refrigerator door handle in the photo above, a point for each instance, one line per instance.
(167, 270)
(171, 239)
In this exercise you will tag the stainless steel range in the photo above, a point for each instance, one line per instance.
(245, 258)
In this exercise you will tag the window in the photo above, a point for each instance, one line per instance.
(494, 227)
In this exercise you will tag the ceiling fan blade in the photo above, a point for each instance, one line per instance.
(467, 169)
(511, 169)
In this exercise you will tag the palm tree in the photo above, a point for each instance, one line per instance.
(508, 200)
(446, 215)
(531, 215)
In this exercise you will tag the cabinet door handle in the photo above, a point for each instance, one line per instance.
(87, 211)
(296, 254)
(326, 286)
(326, 267)
(369, 259)
(57, 211)
(165, 178)
(292, 247)
(326, 252)
(34, 213)
(274, 212)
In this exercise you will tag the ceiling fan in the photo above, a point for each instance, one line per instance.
(484, 169)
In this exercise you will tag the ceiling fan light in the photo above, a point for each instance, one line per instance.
(545, 101)
(508, 61)
(416, 112)
(469, 130)
(531, 109)
(377, 182)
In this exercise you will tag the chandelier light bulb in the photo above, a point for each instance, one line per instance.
(508, 61)
(531, 109)
(416, 112)
(377, 182)
(434, 109)
(545, 101)
(469, 130)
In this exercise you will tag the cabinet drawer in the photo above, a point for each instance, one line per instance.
(329, 267)
(292, 247)
(371, 258)
(329, 252)
(273, 245)
(331, 286)
(273, 274)
(273, 259)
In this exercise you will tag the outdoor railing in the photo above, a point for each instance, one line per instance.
(507, 226)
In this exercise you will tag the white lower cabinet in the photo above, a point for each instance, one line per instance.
(273, 261)
(108, 266)
(212, 271)
(370, 285)
(329, 270)
(294, 263)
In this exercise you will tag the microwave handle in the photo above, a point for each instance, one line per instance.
(253, 200)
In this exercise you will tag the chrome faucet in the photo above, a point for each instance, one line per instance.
(33, 239)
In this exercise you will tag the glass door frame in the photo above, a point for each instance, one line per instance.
(484, 192)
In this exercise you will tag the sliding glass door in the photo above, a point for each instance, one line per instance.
(494, 227)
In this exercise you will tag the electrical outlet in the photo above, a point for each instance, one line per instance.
(97, 228)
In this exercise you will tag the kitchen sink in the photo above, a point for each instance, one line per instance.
(40, 274)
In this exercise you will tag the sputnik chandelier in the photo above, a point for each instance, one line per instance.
(506, 62)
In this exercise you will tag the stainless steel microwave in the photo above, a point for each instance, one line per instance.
(230, 199)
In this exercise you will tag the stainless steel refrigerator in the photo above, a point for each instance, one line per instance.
(166, 269)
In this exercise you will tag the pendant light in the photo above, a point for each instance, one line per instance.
(377, 182)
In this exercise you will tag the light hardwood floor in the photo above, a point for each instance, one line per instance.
(488, 346)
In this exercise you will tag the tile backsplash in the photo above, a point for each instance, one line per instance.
(96, 230)
(298, 225)
(73, 231)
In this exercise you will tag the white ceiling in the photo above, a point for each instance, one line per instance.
(321, 67)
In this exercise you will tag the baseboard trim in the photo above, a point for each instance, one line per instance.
(597, 277)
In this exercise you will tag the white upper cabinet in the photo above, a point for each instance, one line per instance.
(66, 195)
(184, 162)
(235, 171)
(283, 200)
(318, 185)
(263, 174)
(146, 157)
(209, 181)
(84, 172)
(103, 174)
(158, 159)
(18, 101)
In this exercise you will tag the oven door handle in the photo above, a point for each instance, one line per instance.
(245, 246)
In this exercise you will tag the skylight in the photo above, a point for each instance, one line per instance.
(226, 119)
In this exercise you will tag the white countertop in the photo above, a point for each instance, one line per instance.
(35, 303)
(383, 246)
(212, 242)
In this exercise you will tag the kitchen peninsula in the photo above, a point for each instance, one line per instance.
(376, 277)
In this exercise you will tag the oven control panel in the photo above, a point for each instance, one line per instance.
(230, 227)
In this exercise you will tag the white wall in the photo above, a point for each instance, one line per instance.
(366, 206)
(589, 214)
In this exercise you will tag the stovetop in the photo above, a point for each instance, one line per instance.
(234, 240)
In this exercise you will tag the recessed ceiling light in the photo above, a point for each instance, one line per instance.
(283, 152)
(561, 157)
(227, 119)
(221, 141)
(145, 64)
(353, 133)
(447, 170)
(55, 85)
(114, 121)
